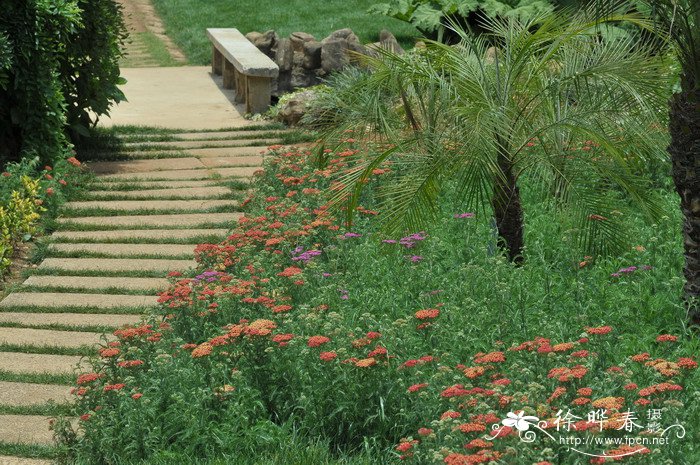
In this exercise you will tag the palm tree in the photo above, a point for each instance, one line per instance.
(473, 112)
(681, 18)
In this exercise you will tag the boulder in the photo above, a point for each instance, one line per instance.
(296, 107)
(299, 39)
(312, 55)
(334, 54)
(389, 42)
(266, 42)
(285, 55)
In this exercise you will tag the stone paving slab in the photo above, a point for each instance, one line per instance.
(97, 282)
(251, 145)
(16, 362)
(26, 394)
(178, 175)
(137, 166)
(213, 135)
(60, 300)
(25, 429)
(225, 162)
(48, 337)
(185, 97)
(69, 319)
(182, 220)
(7, 460)
(134, 250)
(137, 234)
(135, 205)
(115, 264)
(180, 193)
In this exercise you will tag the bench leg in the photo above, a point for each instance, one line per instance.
(229, 78)
(258, 94)
(216, 61)
(240, 82)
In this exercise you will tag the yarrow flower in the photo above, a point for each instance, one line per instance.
(599, 330)
(315, 341)
(464, 215)
(328, 356)
(427, 314)
(417, 387)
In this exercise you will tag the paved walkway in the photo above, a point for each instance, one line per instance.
(187, 97)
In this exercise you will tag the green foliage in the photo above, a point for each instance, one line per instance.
(206, 379)
(57, 62)
(551, 88)
(89, 68)
(430, 16)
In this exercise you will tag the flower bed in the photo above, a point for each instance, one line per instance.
(407, 348)
(26, 194)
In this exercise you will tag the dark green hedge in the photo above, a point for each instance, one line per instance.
(58, 63)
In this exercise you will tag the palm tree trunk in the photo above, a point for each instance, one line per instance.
(684, 127)
(508, 211)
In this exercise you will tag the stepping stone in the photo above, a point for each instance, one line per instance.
(7, 460)
(69, 319)
(115, 265)
(135, 250)
(26, 394)
(179, 193)
(139, 234)
(48, 338)
(97, 282)
(182, 220)
(60, 300)
(16, 362)
(25, 429)
(223, 134)
(135, 205)
(223, 162)
(199, 144)
(139, 166)
(243, 172)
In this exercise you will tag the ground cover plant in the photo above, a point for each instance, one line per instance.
(28, 195)
(186, 19)
(298, 330)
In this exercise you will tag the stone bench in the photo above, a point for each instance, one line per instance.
(243, 67)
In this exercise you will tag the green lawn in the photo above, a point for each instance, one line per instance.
(186, 20)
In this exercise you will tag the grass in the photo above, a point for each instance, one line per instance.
(28, 450)
(154, 49)
(37, 378)
(48, 350)
(62, 327)
(186, 20)
(85, 310)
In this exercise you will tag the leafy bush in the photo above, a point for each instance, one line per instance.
(430, 16)
(27, 193)
(89, 68)
(350, 338)
(57, 62)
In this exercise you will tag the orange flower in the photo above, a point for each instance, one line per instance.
(417, 387)
(366, 362)
(609, 403)
(474, 372)
(667, 338)
(315, 341)
(111, 352)
(471, 427)
(493, 357)
(88, 378)
(599, 330)
(328, 356)
(202, 350)
(427, 314)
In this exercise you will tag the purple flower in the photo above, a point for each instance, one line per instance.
(307, 256)
(348, 235)
(389, 241)
(326, 275)
(464, 215)
(415, 258)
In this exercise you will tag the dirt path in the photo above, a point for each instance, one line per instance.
(148, 45)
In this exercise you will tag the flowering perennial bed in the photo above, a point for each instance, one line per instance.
(415, 348)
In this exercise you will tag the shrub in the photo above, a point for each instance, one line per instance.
(350, 338)
(57, 62)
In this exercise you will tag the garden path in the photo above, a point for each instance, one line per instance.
(158, 193)
(140, 218)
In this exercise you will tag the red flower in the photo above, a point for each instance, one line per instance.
(666, 338)
(136, 396)
(111, 352)
(315, 341)
(88, 378)
(417, 387)
(427, 314)
(373, 335)
(599, 330)
(424, 431)
(114, 387)
(328, 356)
(289, 272)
